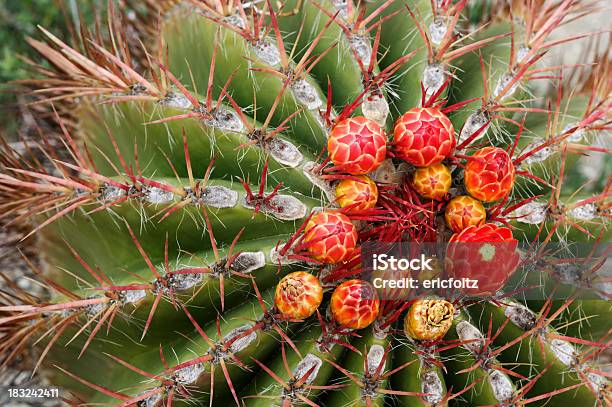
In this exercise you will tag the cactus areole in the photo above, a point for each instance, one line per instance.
(204, 190)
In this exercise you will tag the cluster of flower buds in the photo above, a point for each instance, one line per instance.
(424, 138)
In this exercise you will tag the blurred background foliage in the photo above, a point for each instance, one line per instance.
(18, 20)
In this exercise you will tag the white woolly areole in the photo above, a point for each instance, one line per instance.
(473, 123)
(363, 49)
(236, 20)
(379, 332)
(503, 85)
(94, 309)
(217, 196)
(375, 107)
(434, 76)
(520, 316)
(540, 155)
(150, 401)
(156, 195)
(283, 207)
(267, 52)
(189, 374)
(468, 332)
(375, 358)
(247, 262)
(597, 382)
(182, 282)
(533, 213)
(564, 351)
(576, 136)
(284, 152)
(432, 386)
(584, 212)
(177, 101)
(305, 365)
(568, 272)
(342, 7)
(322, 184)
(437, 30)
(522, 53)
(501, 385)
(243, 341)
(276, 258)
(132, 296)
(306, 94)
(225, 119)
(111, 193)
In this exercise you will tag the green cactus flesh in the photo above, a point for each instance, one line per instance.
(191, 152)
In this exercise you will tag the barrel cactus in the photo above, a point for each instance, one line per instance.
(207, 174)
